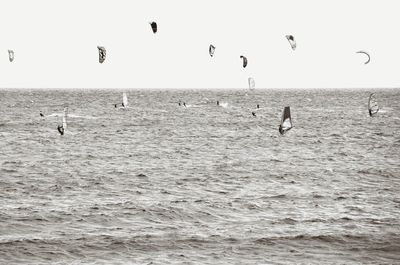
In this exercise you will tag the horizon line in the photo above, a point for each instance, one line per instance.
(205, 88)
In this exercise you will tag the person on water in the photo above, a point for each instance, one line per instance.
(41, 114)
(281, 130)
(115, 105)
(370, 112)
(60, 129)
(258, 106)
(184, 104)
(254, 114)
(123, 105)
(217, 102)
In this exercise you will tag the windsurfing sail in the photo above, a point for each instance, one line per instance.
(153, 26)
(11, 55)
(369, 57)
(292, 41)
(124, 100)
(244, 61)
(252, 83)
(373, 106)
(102, 54)
(64, 120)
(286, 121)
(211, 50)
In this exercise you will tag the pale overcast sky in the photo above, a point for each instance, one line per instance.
(55, 43)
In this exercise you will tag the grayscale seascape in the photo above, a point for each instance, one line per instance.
(158, 183)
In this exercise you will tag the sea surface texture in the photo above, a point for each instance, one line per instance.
(159, 183)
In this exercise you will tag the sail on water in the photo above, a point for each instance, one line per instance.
(64, 121)
(286, 121)
(373, 106)
(61, 128)
(124, 100)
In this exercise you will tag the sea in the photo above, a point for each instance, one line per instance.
(162, 183)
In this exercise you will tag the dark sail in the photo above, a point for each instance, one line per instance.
(211, 50)
(153, 26)
(292, 41)
(286, 121)
(244, 61)
(102, 54)
(373, 106)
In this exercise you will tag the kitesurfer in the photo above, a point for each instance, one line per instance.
(60, 129)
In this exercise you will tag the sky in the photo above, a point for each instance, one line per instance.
(55, 43)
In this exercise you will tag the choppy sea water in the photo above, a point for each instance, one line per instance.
(159, 183)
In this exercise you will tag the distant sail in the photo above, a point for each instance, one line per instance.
(369, 57)
(153, 26)
(64, 121)
(373, 106)
(11, 55)
(286, 121)
(292, 41)
(244, 61)
(124, 100)
(211, 50)
(252, 83)
(102, 54)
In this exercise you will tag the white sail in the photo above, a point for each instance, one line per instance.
(124, 100)
(373, 106)
(64, 121)
(252, 83)
(286, 121)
